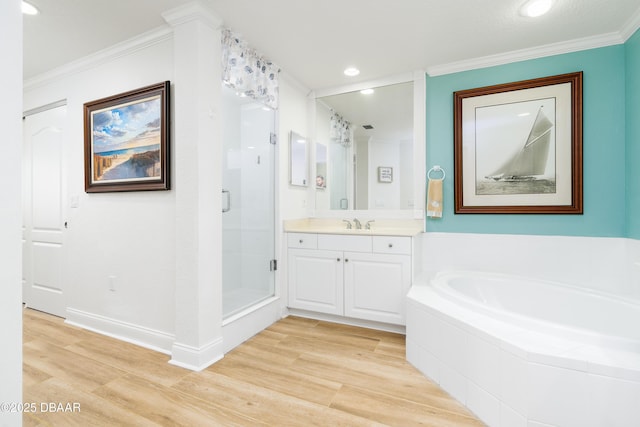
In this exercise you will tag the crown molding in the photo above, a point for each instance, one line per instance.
(196, 10)
(100, 57)
(576, 45)
(293, 82)
(631, 26)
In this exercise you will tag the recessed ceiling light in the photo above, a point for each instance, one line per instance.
(535, 8)
(366, 91)
(29, 9)
(351, 72)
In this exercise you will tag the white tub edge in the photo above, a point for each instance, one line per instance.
(448, 347)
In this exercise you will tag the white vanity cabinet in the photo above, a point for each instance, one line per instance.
(316, 280)
(375, 285)
(358, 276)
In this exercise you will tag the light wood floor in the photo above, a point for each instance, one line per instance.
(298, 372)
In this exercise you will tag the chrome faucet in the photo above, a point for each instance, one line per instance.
(367, 226)
(349, 226)
(357, 223)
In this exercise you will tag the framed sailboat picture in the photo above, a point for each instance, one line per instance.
(518, 147)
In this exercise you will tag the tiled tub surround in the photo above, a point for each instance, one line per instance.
(512, 370)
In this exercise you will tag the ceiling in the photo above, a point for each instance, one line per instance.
(314, 41)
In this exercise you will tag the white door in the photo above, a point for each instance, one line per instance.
(43, 211)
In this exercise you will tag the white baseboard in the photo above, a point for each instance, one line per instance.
(388, 327)
(196, 358)
(129, 332)
(240, 328)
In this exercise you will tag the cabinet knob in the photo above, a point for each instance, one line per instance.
(346, 260)
(300, 240)
(338, 259)
(390, 245)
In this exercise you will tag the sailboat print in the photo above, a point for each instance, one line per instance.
(531, 160)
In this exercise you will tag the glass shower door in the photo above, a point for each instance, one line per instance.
(248, 203)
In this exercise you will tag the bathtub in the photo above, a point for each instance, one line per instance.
(524, 352)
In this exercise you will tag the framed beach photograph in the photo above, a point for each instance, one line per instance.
(385, 174)
(518, 147)
(126, 141)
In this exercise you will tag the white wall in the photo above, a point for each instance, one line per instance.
(292, 202)
(162, 247)
(127, 235)
(293, 115)
(10, 211)
(198, 185)
(138, 237)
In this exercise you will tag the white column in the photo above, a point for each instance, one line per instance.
(197, 181)
(419, 146)
(10, 211)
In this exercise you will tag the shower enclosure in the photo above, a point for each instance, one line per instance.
(248, 203)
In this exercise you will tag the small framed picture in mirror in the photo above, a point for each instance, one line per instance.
(385, 174)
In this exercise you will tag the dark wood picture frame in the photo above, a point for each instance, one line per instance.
(126, 141)
(501, 133)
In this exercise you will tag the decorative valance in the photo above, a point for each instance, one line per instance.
(247, 71)
(340, 129)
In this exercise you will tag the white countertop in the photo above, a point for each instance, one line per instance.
(381, 227)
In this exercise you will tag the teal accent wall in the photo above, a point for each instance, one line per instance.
(603, 144)
(632, 52)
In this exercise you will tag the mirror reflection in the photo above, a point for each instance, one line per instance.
(368, 138)
(298, 164)
(321, 166)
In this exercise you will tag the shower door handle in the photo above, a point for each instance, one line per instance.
(226, 204)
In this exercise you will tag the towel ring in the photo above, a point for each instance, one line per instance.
(436, 168)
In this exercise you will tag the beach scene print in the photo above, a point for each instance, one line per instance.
(126, 141)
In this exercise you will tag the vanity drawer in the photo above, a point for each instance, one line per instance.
(392, 245)
(302, 240)
(347, 243)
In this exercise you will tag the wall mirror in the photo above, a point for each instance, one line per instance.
(298, 160)
(373, 137)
